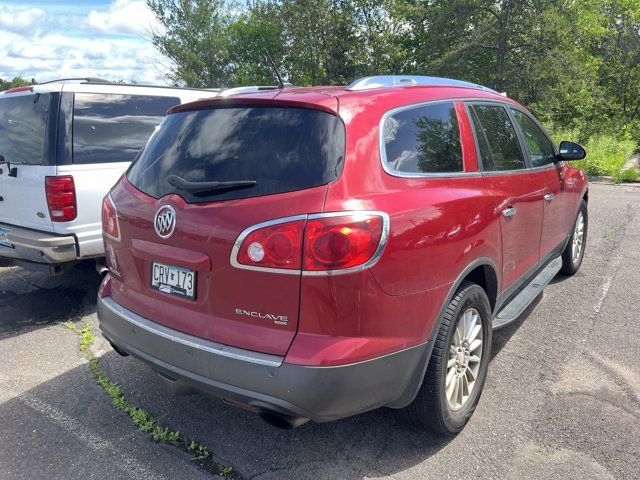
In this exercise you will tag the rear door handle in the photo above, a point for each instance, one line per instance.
(509, 212)
(549, 196)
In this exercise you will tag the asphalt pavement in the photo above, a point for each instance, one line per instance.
(562, 398)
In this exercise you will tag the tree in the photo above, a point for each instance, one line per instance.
(253, 31)
(576, 63)
(16, 82)
(194, 38)
(618, 48)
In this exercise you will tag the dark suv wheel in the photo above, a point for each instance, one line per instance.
(574, 251)
(458, 365)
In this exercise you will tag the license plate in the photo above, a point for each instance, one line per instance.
(4, 237)
(173, 280)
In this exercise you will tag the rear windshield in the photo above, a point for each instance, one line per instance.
(23, 126)
(281, 149)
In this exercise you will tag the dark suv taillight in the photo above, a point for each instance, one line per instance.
(61, 198)
(316, 244)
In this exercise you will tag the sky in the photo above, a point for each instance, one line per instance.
(53, 39)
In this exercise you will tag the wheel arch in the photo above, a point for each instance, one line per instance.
(482, 271)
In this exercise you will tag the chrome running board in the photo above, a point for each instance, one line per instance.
(512, 310)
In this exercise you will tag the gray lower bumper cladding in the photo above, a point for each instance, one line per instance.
(265, 382)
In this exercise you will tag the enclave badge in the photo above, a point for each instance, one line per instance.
(277, 319)
(165, 221)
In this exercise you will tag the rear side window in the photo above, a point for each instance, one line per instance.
(424, 139)
(23, 128)
(498, 142)
(280, 149)
(540, 148)
(113, 128)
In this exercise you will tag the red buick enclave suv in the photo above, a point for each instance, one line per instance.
(314, 253)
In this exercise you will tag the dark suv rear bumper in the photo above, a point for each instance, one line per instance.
(263, 381)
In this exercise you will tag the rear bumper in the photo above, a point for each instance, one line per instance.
(39, 247)
(263, 381)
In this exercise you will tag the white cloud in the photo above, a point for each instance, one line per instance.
(19, 20)
(124, 17)
(50, 44)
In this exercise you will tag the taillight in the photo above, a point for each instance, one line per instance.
(110, 225)
(315, 244)
(267, 246)
(341, 241)
(61, 198)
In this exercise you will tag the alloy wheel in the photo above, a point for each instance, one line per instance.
(465, 354)
(578, 238)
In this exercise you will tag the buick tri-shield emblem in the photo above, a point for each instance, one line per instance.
(165, 221)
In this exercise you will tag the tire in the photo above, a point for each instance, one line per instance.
(571, 260)
(435, 407)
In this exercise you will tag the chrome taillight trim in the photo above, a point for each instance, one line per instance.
(386, 225)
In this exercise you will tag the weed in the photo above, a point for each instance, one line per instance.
(140, 417)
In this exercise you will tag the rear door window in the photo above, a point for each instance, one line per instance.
(498, 142)
(280, 149)
(23, 128)
(423, 140)
(541, 150)
(113, 128)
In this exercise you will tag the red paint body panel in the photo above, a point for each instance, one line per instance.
(438, 227)
(559, 212)
(203, 240)
(520, 234)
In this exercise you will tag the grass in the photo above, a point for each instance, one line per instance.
(606, 155)
(140, 417)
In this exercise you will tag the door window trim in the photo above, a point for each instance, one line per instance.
(544, 132)
(383, 153)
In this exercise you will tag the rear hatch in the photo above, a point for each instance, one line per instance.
(290, 153)
(27, 140)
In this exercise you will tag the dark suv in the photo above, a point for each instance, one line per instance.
(314, 253)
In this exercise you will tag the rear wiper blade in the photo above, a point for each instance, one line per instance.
(209, 187)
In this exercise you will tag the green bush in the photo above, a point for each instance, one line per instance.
(606, 155)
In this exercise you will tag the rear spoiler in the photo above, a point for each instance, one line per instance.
(19, 89)
(269, 98)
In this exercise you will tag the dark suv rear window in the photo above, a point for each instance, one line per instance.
(23, 127)
(281, 149)
(112, 127)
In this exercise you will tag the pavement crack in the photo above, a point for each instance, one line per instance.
(625, 379)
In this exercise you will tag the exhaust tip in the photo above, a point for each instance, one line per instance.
(279, 420)
(101, 267)
(119, 351)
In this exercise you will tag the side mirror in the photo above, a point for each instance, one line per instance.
(571, 151)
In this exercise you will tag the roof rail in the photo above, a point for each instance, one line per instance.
(382, 81)
(250, 89)
(85, 79)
